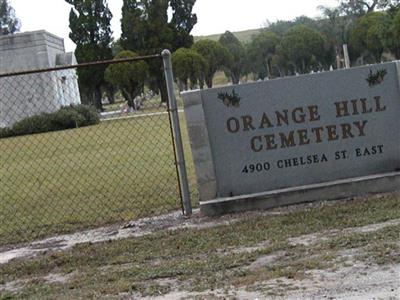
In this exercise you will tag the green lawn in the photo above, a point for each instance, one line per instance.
(76, 179)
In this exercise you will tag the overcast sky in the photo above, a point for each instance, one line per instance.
(214, 16)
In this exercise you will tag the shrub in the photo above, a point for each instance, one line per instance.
(89, 112)
(65, 118)
(5, 132)
(34, 124)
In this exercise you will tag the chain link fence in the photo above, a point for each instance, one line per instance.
(65, 167)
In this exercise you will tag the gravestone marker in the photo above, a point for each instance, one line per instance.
(258, 140)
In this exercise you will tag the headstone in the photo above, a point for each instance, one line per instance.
(28, 95)
(322, 132)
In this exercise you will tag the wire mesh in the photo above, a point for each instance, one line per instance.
(60, 176)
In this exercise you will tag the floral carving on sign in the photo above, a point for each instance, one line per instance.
(376, 78)
(230, 100)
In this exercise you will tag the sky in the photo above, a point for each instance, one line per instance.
(214, 16)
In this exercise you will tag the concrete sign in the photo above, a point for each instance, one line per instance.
(297, 131)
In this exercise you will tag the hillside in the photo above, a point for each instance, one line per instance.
(243, 36)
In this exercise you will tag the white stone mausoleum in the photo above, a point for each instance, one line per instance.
(27, 95)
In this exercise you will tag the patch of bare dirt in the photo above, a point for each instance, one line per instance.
(309, 239)
(266, 260)
(17, 285)
(358, 282)
(240, 250)
(12, 286)
(210, 295)
(58, 278)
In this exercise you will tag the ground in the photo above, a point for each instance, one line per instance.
(348, 249)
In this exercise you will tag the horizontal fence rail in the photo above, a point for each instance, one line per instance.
(82, 65)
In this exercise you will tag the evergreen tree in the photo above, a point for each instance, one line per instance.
(261, 51)
(91, 32)
(9, 23)
(129, 77)
(146, 29)
(188, 66)
(304, 48)
(371, 36)
(216, 56)
(236, 66)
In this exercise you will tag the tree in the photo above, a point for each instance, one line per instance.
(129, 77)
(215, 55)
(361, 7)
(236, 66)
(188, 65)
(261, 52)
(372, 35)
(336, 28)
(91, 32)
(304, 47)
(147, 29)
(281, 27)
(396, 35)
(9, 23)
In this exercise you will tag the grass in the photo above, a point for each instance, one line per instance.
(200, 260)
(220, 79)
(76, 179)
(151, 105)
(116, 106)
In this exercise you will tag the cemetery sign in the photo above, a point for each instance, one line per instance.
(260, 138)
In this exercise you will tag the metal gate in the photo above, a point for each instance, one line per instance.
(64, 168)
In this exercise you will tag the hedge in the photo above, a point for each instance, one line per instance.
(65, 118)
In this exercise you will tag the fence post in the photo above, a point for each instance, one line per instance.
(346, 57)
(176, 131)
